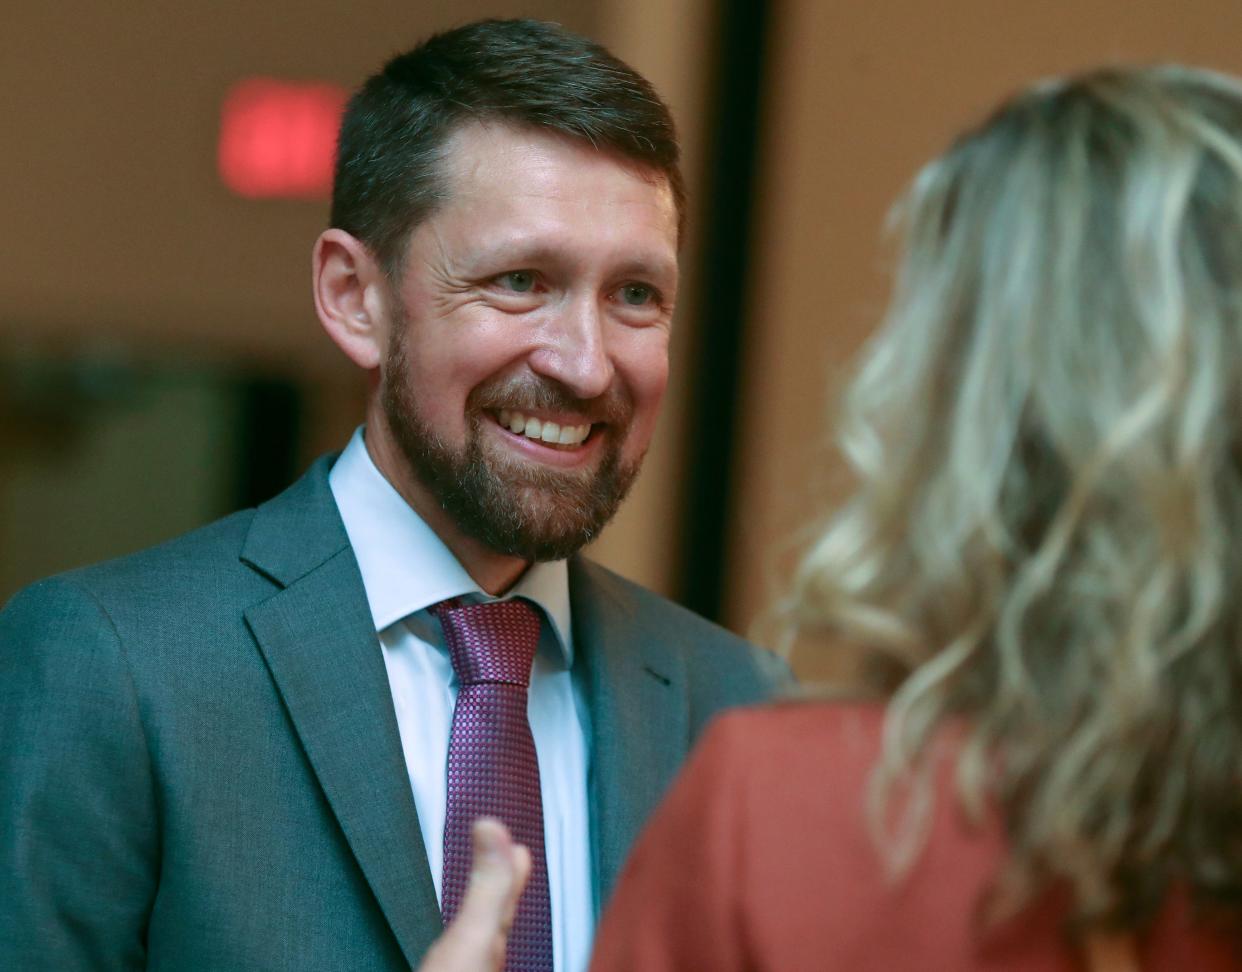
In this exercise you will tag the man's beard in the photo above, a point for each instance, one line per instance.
(513, 507)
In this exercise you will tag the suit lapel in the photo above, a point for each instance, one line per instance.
(321, 648)
(639, 716)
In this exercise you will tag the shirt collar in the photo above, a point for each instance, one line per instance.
(406, 567)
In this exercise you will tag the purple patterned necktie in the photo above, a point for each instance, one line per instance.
(492, 767)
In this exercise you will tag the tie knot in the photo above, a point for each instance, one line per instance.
(490, 642)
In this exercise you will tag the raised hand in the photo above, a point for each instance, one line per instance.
(475, 940)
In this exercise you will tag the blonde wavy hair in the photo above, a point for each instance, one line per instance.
(1045, 539)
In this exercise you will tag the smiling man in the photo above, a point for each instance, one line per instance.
(262, 745)
(520, 349)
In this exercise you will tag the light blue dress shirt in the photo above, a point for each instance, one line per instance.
(406, 569)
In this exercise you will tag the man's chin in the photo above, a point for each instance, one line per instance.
(541, 514)
(540, 524)
(535, 535)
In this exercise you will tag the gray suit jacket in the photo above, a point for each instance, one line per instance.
(200, 766)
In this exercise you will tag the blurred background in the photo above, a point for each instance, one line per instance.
(160, 361)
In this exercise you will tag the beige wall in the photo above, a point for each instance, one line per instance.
(861, 95)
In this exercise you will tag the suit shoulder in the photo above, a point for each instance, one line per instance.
(197, 562)
(638, 602)
(207, 548)
(716, 659)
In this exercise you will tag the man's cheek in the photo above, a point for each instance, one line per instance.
(649, 396)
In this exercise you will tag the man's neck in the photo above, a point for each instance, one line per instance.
(494, 573)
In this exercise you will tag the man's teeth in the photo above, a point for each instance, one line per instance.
(548, 432)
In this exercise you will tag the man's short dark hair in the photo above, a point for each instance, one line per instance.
(389, 165)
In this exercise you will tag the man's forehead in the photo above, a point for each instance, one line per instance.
(520, 193)
(478, 153)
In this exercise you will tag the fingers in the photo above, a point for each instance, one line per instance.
(498, 874)
(475, 940)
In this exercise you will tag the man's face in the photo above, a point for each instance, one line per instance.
(528, 353)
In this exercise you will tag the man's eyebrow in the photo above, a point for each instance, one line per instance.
(648, 269)
(512, 254)
(517, 255)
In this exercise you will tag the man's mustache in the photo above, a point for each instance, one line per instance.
(534, 394)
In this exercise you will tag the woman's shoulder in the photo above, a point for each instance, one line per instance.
(787, 745)
(801, 726)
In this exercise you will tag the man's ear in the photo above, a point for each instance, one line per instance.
(350, 297)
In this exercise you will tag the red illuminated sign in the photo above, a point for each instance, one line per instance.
(278, 138)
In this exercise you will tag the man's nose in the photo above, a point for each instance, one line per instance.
(574, 351)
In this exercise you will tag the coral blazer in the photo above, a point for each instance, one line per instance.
(760, 860)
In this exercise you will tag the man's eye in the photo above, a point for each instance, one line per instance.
(519, 281)
(636, 295)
